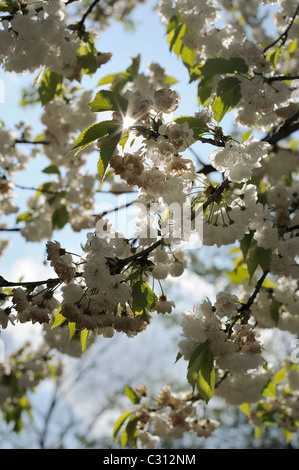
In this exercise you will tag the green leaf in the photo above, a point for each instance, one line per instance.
(60, 217)
(174, 22)
(130, 433)
(201, 371)
(178, 357)
(220, 66)
(175, 32)
(239, 274)
(274, 310)
(245, 242)
(52, 169)
(288, 435)
(258, 256)
(132, 395)
(108, 147)
(114, 78)
(204, 88)
(198, 126)
(84, 335)
(106, 100)
(229, 95)
(96, 131)
(120, 422)
(245, 407)
(293, 46)
(25, 217)
(246, 135)
(273, 56)
(270, 390)
(87, 58)
(133, 69)
(59, 318)
(143, 297)
(280, 375)
(72, 329)
(50, 86)
(131, 430)
(188, 57)
(218, 108)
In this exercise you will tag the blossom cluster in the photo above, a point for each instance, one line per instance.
(235, 347)
(174, 414)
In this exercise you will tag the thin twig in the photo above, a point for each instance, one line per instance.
(80, 24)
(284, 35)
(32, 142)
(282, 77)
(41, 190)
(254, 294)
(291, 125)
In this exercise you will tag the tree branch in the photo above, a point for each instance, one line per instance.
(30, 284)
(291, 125)
(254, 294)
(80, 24)
(282, 77)
(284, 35)
(32, 142)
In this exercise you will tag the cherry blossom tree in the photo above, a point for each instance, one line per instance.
(244, 196)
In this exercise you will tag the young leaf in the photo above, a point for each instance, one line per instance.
(219, 66)
(108, 146)
(133, 69)
(59, 318)
(198, 126)
(52, 169)
(245, 242)
(204, 89)
(106, 100)
(24, 217)
(94, 132)
(274, 310)
(143, 297)
(84, 335)
(130, 433)
(175, 32)
(50, 86)
(87, 58)
(72, 329)
(229, 93)
(245, 407)
(258, 256)
(120, 422)
(114, 78)
(201, 371)
(131, 394)
(60, 217)
(188, 57)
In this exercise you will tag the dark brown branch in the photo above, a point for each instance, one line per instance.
(32, 142)
(251, 299)
(141, 254)
(29, 284)
(282, 77)
(294, 227)
(291, 125)
(283, 37)
(114, 209)
(46, 191)
(80, 24)
(15, 229)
